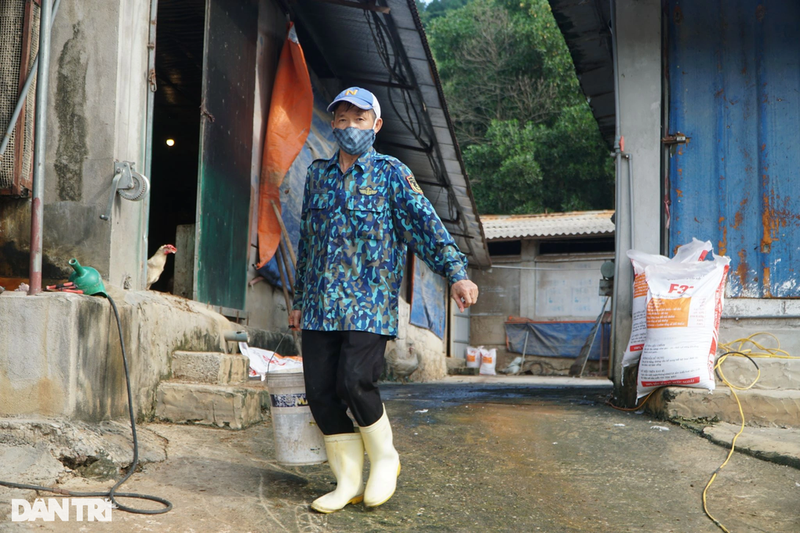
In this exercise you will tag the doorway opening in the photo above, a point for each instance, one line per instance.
(176, 139)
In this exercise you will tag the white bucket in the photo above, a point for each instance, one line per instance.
(298, 440)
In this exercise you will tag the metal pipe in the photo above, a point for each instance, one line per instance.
(148, 143)
(546, 268)
(615, 362)
(629, 157)
(236, 336)
(42, 86)
(23, 95)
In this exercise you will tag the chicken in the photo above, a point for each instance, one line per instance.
(402, 365)
(155, 265)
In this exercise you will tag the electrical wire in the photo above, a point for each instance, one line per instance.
(734, 388)
(411, 119)
(112, 493)
(635, 408)
(737, 349)
(734, 348)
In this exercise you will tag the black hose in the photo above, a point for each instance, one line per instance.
(112, 493)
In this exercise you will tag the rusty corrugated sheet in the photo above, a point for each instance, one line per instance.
(734, 80)
(577, 223)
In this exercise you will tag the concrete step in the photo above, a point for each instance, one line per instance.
(778, 374)
(210, 367)
(458, 367)
(234, 407)
(762, 408)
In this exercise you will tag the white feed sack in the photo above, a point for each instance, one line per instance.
(684, 305)
(474, 356)
(488, 362)
(688, 253)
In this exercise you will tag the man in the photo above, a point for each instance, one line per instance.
(361, 210)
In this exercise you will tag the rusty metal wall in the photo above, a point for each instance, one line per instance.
(734, 90)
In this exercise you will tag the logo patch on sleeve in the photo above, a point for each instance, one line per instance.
(412, 182)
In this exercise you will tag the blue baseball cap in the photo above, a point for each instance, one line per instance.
(360, 98)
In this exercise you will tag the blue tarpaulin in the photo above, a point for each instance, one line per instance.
(428, 309)
(320, 144)
(556, 339)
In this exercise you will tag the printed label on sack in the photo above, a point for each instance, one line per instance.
(664, 383)
(639, 286)
(668, 313)
(288, 400)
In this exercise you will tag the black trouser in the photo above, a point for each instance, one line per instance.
(341, 370)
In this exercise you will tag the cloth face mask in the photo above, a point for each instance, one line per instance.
(354, 141)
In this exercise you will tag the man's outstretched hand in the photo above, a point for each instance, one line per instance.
(465, 293)
(294, 319)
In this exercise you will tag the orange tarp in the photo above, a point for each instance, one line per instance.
(289, 123)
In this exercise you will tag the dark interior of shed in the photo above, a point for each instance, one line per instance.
(176, 125)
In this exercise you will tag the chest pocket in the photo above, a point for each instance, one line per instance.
(319, 207)
(368, 215)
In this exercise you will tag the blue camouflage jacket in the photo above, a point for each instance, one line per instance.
(354, 231)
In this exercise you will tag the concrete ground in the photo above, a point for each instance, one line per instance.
(513, 454)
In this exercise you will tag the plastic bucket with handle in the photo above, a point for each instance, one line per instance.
(298, 440)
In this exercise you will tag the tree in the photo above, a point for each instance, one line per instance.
(530, 141)
(530, 169)
(498, 64)
(505, 176)
(437, 8)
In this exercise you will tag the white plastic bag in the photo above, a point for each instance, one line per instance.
(263, 362)
(688, 253)
(488, 361)
(684, 306)
(474, 356)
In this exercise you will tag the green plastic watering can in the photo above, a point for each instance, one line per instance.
(86, 279)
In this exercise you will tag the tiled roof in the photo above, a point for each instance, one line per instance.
(588, 223)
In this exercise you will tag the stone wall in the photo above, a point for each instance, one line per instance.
(61, 354)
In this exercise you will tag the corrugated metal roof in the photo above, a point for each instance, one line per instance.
(417, 126)
(576, 223)
(586, 28)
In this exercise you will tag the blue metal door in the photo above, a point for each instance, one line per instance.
(734, 90)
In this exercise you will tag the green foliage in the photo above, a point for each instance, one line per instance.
(500, 64)
(505, 175)
(530, 169)
(530, 141)
(437, 8)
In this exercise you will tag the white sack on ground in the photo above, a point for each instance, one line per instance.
(684, 305)
(488, 362)
(688, 253)
(474, 356)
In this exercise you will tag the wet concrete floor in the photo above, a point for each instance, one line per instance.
(476, 457)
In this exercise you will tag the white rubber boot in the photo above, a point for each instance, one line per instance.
(346, 458)
(384, 462)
